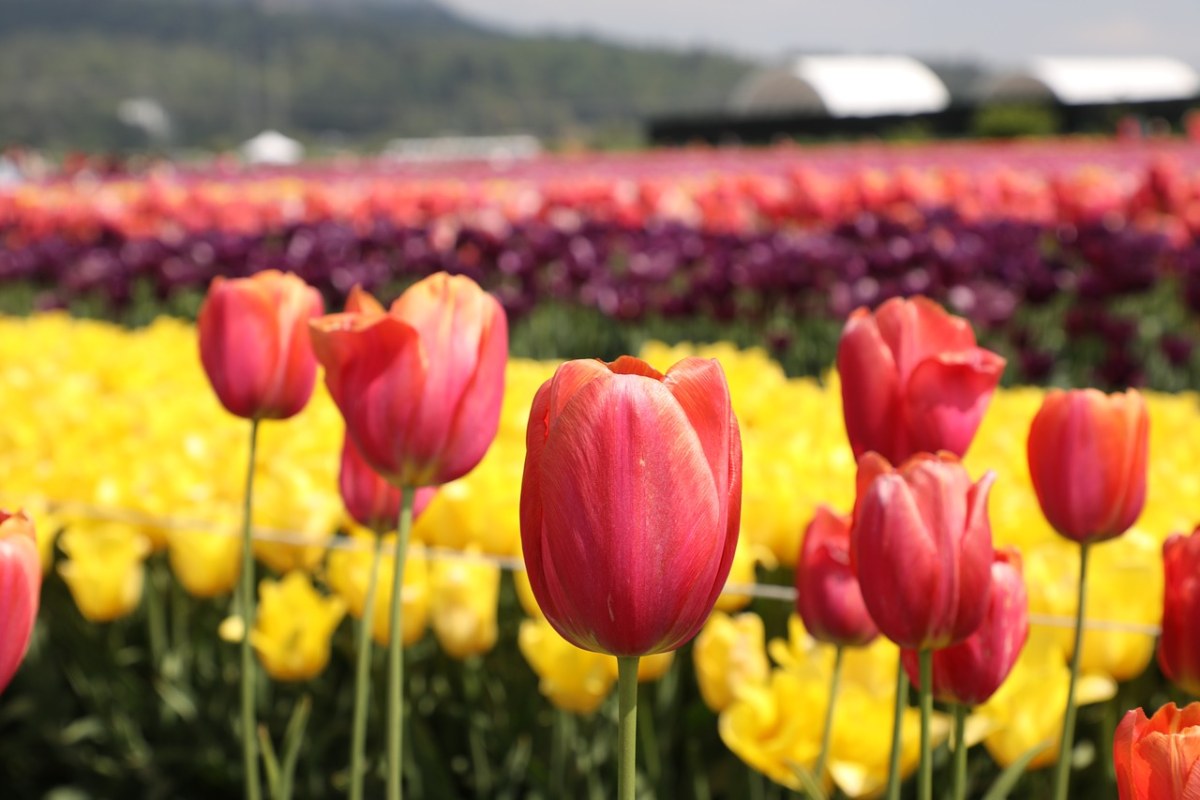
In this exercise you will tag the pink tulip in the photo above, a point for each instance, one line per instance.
(371, 500)
(828, 597)
(971, 671)
(913, 380)
(20, 584)
(922, 549)
(420, 387)
(630, 501)
(254, 343)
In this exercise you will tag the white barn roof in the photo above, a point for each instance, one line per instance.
(1081, 81)
(843, 86)
(272, 147)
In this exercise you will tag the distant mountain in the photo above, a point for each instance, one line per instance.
(355, 71)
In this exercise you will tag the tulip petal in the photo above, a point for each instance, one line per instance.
(20, 584)
(239, 344)
(623, 462)
(361, 302)
(947, 396)
(918, 329)
(870, 390)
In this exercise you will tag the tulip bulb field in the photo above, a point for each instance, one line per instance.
(851, 471)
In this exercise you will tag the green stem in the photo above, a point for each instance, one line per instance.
(827, 732)
(395, 704)
(362, 678)
(558, 753)
(246, 601)
(925, 692)
(627, 688)
(893, 782)
(1062, 770)
(960, 752)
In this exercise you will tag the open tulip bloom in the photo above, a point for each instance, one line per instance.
(630, 503)
(420, 388)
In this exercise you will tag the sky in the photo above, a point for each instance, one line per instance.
(1000, 32)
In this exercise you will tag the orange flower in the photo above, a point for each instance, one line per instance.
(1158, 758)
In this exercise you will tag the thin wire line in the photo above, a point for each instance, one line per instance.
(764, 591)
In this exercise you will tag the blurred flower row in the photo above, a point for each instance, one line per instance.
(117, 449)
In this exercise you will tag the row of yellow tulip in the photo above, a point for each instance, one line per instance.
(114, 438)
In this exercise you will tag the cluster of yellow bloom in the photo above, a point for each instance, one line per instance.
(115, 443)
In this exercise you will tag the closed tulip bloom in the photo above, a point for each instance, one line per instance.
(1179, 645)
(420, 387)
(1158, 758)
(1087, 459)
(828, 597)
(922, 549)
(372, 501)
(630, 501)
(913, 380)
(20, 587)
(971, 671)
(254, 343)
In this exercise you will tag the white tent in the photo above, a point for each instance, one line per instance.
(843, 86)
(1082, 81)
(271, 147)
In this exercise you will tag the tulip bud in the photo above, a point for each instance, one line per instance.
(372, 501)
(420, 387)
(1158, 758)
(913, 380)
(630, 501)
(972, 670)
(828, 597)
(294, 625)
(922, 549)
(254, 343)
(1087, 460)
(20, 585)
(1179, 645)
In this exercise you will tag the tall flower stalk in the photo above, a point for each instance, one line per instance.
(395, 694)
(246, 602)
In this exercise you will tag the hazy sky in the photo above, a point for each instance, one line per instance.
(999, 31)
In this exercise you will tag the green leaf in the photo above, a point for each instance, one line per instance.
(270, 763)
(808, 781)
(1008, 779)
(293, 740)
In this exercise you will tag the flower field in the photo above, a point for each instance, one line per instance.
(1078, 261)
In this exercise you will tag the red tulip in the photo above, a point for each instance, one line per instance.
(371, 500)
(1087, 459)
(971, 671)
(828, 597)
(922, 549)
(20, 584)
(420, 386)
(1179, 645)
(630, 501)
(1158, 758)
(254, 343)
(913, 380)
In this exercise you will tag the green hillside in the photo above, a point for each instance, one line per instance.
(356, 72)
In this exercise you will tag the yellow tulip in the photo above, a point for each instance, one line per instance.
(766, 728)
(572, 679)
(650, 668)
(104, 569)
(294, 625)
(207, 563)
(1027, 709)
(462, 603)
(730, 656)
(349, 571)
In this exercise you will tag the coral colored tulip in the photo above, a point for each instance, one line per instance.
(1087, 458)
(630, 501)
(971, 671)
(20, 586)
(1179, 645)
(828, 597)
(922, 549)
(913, 380)
(420, 387)
(254, 343)
(1158, 758)
(372, 501)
